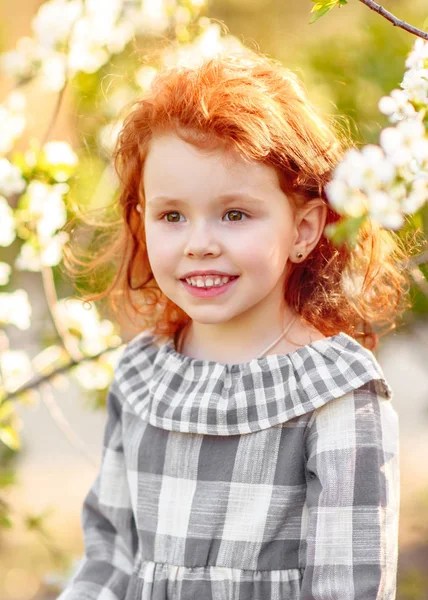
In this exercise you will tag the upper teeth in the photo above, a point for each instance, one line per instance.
(207, 281)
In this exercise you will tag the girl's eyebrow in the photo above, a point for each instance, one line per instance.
(223, 199)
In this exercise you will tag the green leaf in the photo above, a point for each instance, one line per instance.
(5, 521)
(322, 7)
(7, 409)
(10, 437)
(7, 478)
(345, 230)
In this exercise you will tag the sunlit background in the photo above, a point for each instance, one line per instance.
(347, 60)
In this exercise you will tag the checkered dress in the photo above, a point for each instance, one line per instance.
(276, 479)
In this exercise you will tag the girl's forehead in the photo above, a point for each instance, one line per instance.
(200, 144)
(170, 157)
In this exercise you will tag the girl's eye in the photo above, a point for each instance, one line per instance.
(239, 212)
(168, 214)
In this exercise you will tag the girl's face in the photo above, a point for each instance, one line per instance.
(210, 211)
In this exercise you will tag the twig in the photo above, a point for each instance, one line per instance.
(34, 382)
(420, 280)
(68, 341)
(55, 113)
(394, 20)
(420, 259)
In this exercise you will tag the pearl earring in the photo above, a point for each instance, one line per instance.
(139, 208)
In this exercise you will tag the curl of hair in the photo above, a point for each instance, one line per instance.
(252, 104)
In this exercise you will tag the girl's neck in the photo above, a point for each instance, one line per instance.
(193, 341)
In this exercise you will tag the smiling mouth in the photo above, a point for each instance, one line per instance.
(203, 291)
(213, 278)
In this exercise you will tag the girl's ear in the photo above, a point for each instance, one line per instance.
(310, 224)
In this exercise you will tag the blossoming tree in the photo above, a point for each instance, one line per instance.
(387, 182)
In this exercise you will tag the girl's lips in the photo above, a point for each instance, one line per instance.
(211, 292)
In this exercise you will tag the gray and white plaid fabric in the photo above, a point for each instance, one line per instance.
(276, 479)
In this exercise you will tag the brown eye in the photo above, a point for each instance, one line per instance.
(235, 212)
(169, 214)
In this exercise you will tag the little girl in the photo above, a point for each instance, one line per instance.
(251, 448)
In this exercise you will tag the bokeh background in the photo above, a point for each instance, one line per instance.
(348, 60)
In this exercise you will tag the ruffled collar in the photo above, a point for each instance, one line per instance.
(179, 393)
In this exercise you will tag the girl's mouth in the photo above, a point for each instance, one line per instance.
(208, 292)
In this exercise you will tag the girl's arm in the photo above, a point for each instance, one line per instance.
(108, 523)
(353, 498)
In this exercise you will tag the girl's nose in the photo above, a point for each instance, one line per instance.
(200, 241)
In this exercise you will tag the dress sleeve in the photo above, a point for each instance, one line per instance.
(353, 496)
(108, 523)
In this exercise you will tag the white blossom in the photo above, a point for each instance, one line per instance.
(107, 136)
(418, 58)
(365, 170)
(398, 191)
(51, 253)
(405, 142)
(84, 320)
(346, 200)
(54, 21)
(12, 120)
(350, 169)
(98, 34)
(85, 54)
(5, 271)
(209, 43)
(16, 101)
(415, 83)
(23, 62)
(78, 316)
(386, 209)
(46, 206)
(104, 336)
(53, 71)
(397, 106)
(60, 153)
(93, 375)
(153, 15)
(28, 258)
(7, 223)
(15, 309)
(97, 374)
(120, 36)
(15, 369)
(11, 180)
(378, 204)
(112, 357)
(105, 13)
(144, 76)
(418, 195)
(378, 171)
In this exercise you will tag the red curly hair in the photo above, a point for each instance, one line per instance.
(252, 104)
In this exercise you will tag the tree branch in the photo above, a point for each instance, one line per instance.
(34, 382)
(54, 114)
(68, 342)
(394, 20)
